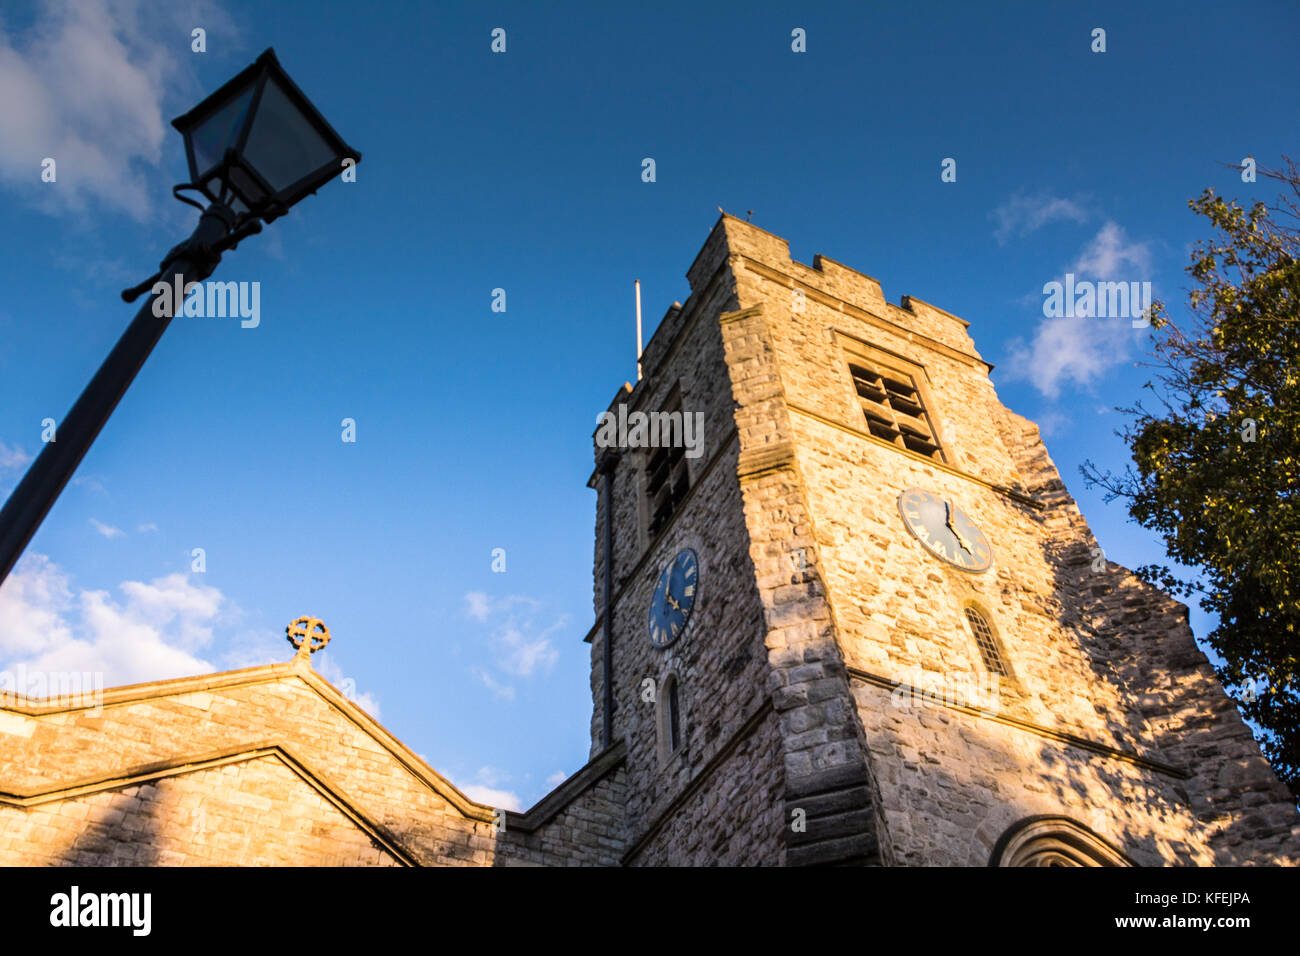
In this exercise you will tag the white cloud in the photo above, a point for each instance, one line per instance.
(332, 672)
(557, 778)
(172, 601)
(504, 691)
(1022, 214)
(147, 527)
(367, 702)
(477, 606)
(502, 799)
(254, 648)
(1080, 351)
(1108, 252)
(12, 456)
(84, 85)
(91, 483)
(1051, 423)
(158, 630)
(1070, 350)
(523, 654)
(107, 530)
(522, 646)
(34, 602)
(492, 776)
(82, 94)
(154, 632)
(487, 789)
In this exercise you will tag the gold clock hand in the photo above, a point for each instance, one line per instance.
(961, 538)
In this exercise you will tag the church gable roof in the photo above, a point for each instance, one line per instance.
(287, 712)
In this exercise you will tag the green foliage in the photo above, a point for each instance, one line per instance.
(1216, 470)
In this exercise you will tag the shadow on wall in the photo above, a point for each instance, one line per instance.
(1035, 781)
(121, 829)
(1137, 639)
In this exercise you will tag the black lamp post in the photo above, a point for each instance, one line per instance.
(255, 148)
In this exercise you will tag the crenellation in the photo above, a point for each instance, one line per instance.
(850, 686)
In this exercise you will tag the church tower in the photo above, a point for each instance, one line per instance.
(846, 611)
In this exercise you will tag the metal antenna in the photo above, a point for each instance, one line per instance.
(638, 330)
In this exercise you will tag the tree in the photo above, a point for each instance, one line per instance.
(1216, 470)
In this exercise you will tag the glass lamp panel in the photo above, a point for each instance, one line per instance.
(246, 185)
(283, 146)
(213, 136)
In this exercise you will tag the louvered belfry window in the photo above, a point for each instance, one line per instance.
(667, 481)
(894, 408)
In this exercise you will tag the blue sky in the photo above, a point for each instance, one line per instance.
(522, 171)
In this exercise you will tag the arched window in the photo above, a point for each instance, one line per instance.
(1054, 841)
(669, 718)
(990, 649)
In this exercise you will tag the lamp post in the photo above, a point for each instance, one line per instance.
(255, 148)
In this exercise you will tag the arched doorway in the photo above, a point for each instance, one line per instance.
(1054, 841)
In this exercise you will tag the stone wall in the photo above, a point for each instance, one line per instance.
(1111, 716)
(828, 795)
(255, 812)
(580, 823)
(833, 701)
(715, 799)
(267, 766)
(1142, 636)
(729, 814)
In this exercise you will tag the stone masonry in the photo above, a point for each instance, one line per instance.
(823, 684)
(1110, 732)
(266, 766)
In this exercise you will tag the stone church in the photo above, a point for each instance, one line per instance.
(861, 623)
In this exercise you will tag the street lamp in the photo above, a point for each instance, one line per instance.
(255, 148)
(259, 144)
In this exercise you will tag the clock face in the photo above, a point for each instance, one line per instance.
(945, 530)
(674, 596)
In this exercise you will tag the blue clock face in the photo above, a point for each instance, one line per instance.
(674, 596)
(945, 530)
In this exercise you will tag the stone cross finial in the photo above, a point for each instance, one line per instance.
(309, 635)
